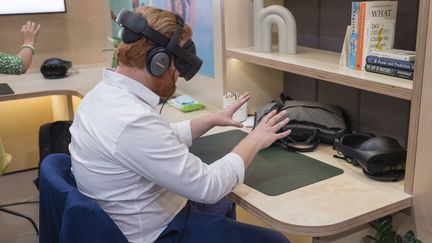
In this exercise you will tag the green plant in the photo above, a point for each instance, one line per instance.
(115, 42)
(386, 234)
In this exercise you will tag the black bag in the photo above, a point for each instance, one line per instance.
(54, 137)
(310, 123)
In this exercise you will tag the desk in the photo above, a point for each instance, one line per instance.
(37, 101)
(35, 85)
(325, 208)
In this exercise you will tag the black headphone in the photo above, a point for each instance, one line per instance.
(134, 26)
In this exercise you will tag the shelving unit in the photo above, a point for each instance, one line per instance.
(324, 65)
(248, 70)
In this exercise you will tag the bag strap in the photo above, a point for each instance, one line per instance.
(307, 146)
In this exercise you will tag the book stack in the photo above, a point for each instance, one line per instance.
(372, 29)
(393, 62)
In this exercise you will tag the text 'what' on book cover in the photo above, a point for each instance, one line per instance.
(376, 24)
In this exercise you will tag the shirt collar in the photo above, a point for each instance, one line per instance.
(118, 80)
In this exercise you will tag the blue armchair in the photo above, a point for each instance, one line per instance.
(65, 214)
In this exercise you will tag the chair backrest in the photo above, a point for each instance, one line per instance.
(54, 137)
(56, 180)
(66, 215)
(84, 221)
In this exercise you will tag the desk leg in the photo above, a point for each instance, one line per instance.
(315, 239)
(62, 107)
(69, 105)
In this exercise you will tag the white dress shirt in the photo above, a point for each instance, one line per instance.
(135, 164)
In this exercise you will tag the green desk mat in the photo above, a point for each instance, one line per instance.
(273, 171)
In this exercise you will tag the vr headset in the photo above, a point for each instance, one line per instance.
(381, 158)
(134, 27)
(54, 68)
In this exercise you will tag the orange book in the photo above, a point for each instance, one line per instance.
(360, 41)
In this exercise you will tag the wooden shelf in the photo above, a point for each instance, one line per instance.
(324, 65)
(324, 208)
(328, 207)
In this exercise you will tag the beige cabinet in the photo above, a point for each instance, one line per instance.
(317, 75)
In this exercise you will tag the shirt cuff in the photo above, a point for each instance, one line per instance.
(238, 164)
(184, 132)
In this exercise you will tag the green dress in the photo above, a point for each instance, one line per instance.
(10, 64)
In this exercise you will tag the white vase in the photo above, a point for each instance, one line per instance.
(265, 18)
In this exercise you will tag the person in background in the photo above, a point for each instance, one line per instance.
(10, 64)
(137, 166)
(18, 64)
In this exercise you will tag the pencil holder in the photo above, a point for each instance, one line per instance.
(241, 114)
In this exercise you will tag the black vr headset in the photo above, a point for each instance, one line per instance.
(381, 158)
(54, 68)
(134, 27)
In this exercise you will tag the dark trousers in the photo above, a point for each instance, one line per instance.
(205, 223)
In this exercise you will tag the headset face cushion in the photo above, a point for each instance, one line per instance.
(354, 140)
(186, 62)
(158, 61)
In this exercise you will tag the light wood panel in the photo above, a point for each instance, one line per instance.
(423, 44)
(245, 217)
(19, 129)
(264, 84)
(324, 208)
(329, 19)
(79, 35)
(328, 207)
(25, 111)
(324, 65)
(35, 85)
(422, 187)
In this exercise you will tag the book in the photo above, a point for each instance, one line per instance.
(389, 71)
(344, 58)
(355, 7)
(376, 27)
(390, 62)
(397, 54)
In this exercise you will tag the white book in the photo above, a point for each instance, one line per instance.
(397, 54)
(344, 59)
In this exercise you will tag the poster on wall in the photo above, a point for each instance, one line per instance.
(197, 14)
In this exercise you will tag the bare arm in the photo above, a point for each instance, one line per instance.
(29, 32)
